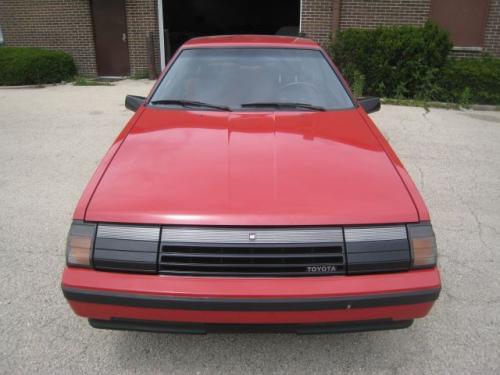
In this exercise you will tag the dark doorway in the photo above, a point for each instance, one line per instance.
(110, 33)
(186, 19)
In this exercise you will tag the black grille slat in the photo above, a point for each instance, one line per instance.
(252, 260)
(253, 255)
(246, 265)
(258, 249)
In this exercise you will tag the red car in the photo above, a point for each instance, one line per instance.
(250, 191)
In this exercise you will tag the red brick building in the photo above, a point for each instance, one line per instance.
(130, 37)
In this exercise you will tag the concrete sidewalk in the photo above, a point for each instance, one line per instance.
(51, 140)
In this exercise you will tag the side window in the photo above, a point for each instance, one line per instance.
(464, 19)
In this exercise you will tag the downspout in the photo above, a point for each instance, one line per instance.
(336, 9)
(161, 34)
(300, 17)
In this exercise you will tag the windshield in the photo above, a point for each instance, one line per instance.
(243, 78)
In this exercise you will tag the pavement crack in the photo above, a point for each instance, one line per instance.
(479, 224)
(425, 114)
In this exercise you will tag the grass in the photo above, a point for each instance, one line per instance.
(83, 81)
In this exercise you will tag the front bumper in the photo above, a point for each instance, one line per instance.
(202, 304)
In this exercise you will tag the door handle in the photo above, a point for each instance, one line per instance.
(124, 37)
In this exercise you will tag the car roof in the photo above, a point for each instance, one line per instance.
(251, 41)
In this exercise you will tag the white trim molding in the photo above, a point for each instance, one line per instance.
(468, 49)
(300, 15)
(161, 34)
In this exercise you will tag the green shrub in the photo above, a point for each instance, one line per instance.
(471, 81)
(358, 84)
(396, 61)
(28, 66)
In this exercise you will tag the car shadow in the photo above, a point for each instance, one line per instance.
(260, 353)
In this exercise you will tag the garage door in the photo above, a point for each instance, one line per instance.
(185, 19)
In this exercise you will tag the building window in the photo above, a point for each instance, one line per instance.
(464, 19)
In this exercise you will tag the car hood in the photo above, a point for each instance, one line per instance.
(228, 168)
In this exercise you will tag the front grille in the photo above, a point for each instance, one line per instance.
(241, 251)
(249, 252)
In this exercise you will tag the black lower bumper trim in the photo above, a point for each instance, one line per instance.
(196, 328)
(252, 304)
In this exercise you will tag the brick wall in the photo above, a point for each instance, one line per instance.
(67, 25)
(317, 19)
(374, 13)
(52, 24)
(142, 18)
(492, 32)
(320, 18)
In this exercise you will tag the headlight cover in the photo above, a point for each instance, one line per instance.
(126, 248)
(376, 249)
(423, 245)
(80, 244)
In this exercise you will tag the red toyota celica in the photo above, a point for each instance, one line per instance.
(251, 192)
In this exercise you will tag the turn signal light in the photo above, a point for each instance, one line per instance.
(79, 245)
(423, 245)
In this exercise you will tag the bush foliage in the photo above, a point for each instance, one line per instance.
(396, 61)
(28, 66)
(409, 62)
(475, 80)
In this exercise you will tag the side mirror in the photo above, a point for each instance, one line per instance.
(133, 102)
(370, 103)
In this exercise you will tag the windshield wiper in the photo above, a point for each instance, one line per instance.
(190, 103)
(283, 105)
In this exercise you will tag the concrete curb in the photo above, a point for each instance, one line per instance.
(485, 107)
(40, 86)
(443, 105)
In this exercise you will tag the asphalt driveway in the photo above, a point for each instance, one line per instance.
(51, 140)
